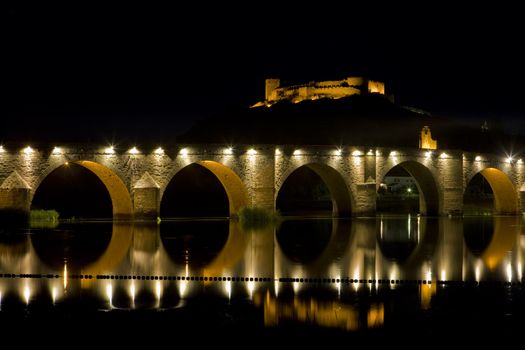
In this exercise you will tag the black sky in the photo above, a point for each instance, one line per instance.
(140, 71)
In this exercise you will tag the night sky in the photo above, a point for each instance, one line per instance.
(128, 73)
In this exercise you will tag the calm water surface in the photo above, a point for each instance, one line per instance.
(364, 278)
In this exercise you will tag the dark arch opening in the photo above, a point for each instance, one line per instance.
(195, 192)
(408, 188)
(478, 233)
(75, 192)
(398, 237)
(478, 198)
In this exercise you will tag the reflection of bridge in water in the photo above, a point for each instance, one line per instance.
(137, 261)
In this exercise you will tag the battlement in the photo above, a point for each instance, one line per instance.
(314, 90)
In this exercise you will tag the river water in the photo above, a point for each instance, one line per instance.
(362, 278)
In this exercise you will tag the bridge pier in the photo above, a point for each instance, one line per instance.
(146, 198)
(15, 200)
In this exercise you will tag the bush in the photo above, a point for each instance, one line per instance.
(254, 217)
(44, 218)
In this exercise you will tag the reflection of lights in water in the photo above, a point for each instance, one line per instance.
(509, 272)
(519, 271)
(54, 294)
(276, 286)
(109, 294)
(443, 275)
(228, 288)
(132, 291)
(65, 276)
(295, 287)
(428, 275)
(27, 294)
(251, 287)
(182, 288)
(477, 272)
(158, 290)
(409, 225)
(381, 229)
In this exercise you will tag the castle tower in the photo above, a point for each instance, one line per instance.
(271, 85)
(425, 139)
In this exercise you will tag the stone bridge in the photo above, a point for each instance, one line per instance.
(252, 175)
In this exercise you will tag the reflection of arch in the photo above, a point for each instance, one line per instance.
(341, 200)
(117, 249)
(118, 192)
(231, 182)
(506, 230)
(232, 252)
(426, 185)
(505, 196)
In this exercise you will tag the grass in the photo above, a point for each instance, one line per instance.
(256, 218)
(44, 218)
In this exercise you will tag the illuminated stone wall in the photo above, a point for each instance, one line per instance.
(253, 174)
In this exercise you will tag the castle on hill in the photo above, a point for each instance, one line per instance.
(314, 90)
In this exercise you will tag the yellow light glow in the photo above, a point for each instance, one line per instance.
(370, 152)
(338, 152)
(133, 150)
(158, 290)
(277, 152)
(132, 291)
(508, 160)
(509, 272)
(251, 152)
(477, 159)
(182, 288)
(296, 287)
(297, 152)
(54, 294)
(27, 294)
(443, 275)
(378, 153)
(520, 161)
(183, 152)
(109, 294)
(159, 151)
(2, 150)
(109, 150)
(251, 287)
(276, 287)
(428, 154)
(57, 150)
(228, 288)
(477, 272)
(443, 155)
(65, 276)
(356, 153)
(28, 150)
(228, 150)
(393, 153)
(66, 163)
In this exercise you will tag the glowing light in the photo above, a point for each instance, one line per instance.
(66, 163)
(251, 287)
(428, 154)
(429, 275)
(132, 291)
(133, 150)
(508, 160)
(509, 272)
(477, 159)
(443, 275)
(276, 287)
(28, 150)
(277, 152)
(54, 294)
(109, 294)
(159, 151)
(182, 288)
(183, 152)
(519, 271)
(378, 153)
(228, 150)
(370, 152)
(477, 272)
(109, 150)
(65, 276)
(57, 150)
(228, 288)
(338, 152)
(27, 294)
(2, 150)
(297, 152)
(409, 190)
(251, 152)
(158, 290)
(443, 155)
(356, 153)
(520, 161)
(296, 287)
(393, 153)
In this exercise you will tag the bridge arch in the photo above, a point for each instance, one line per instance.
(505, 194)
(429, 195)
(230, 181)
(121, 202)
(339, 191)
